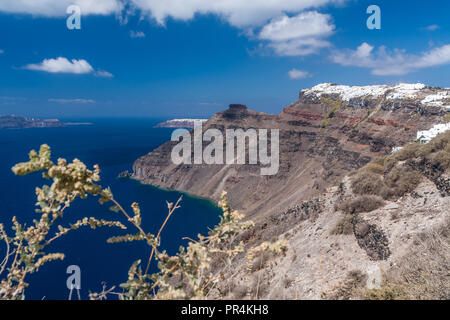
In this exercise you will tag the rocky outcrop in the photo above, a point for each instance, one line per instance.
(327, 133)
(124, 175)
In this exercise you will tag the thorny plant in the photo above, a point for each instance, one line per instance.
(186, 275)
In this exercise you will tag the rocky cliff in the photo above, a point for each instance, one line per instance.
(327, 133)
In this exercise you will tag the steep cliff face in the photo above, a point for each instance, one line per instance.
(327, 133)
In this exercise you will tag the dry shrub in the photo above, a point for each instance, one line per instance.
(362, 204)
(400, 181)
(447, 118)
(239, 292)
(440, 142)
(386, 292)
(441, 159)
(395, 215)
(287, 282)
(379, 160)
(438, 151)
(282, 293)
(351, 287)
(374, 167)
(344, 226)
(423, 272)
(367, 183)
(415, 149)
(259, 287)
(260, 261)
(408, 152)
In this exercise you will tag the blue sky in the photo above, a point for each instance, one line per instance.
(171, 58)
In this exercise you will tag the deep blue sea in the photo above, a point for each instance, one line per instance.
(113, 144)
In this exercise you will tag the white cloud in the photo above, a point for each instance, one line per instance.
(63, 65)
(298, 47)
(304, 25)
(137, 34)
(65, 101)
(2, 51)
(57, 8)
(296, 74)
(292, 36)
(383, 63)
(103, 74)
(433, 27)
(239, 13)
(299, 35)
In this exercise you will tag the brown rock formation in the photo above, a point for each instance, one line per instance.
(322, 138)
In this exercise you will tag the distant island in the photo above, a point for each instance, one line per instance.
(180, 123)
(18, 122)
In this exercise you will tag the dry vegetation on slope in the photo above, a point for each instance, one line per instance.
(350, 243)
(399, 173)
